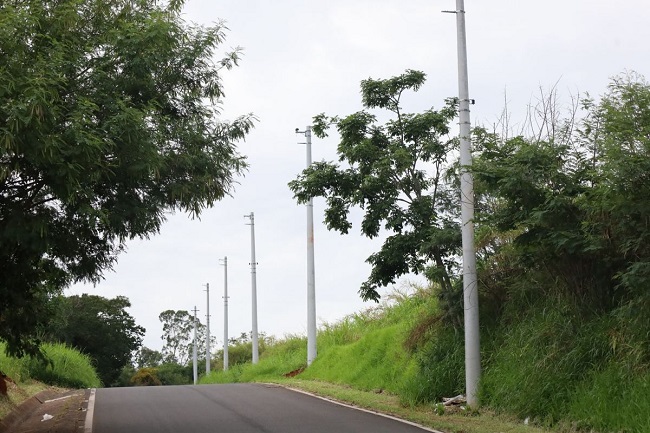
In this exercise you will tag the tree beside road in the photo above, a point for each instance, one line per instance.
(108, 120)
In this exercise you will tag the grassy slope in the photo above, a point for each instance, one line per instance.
(552, 366)
(68, 369)
(362, 360)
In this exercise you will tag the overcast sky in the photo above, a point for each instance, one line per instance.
(304, 57)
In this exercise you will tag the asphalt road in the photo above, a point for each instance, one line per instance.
(231, 408)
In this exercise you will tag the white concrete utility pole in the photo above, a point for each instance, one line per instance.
(470, 287)
(311, 274)
(225, 313)
(207, 330)
(194, 353)
(253, 288)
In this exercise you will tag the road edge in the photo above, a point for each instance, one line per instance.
(350, 406)
(88, 422)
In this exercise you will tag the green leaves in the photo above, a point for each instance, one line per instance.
(178, 334)
(394, 172)
(108, 119)
(574, 211)
(386, 94)
(98, 327)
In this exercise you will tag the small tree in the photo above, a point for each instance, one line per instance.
(146, 377)
(395, 172)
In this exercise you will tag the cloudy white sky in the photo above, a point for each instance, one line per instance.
(304, 57)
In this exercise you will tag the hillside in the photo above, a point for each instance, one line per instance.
(556, 369)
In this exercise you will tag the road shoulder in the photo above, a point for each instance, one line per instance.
(49, 411)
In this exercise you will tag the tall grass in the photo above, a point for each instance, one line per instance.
(613, 399)
(549, 360)
(364, 349)
(376, 361)
(63, 366)
(561, 366)
(279, 358)
(441, 368)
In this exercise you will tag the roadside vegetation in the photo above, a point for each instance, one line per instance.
(61, 367)
(563, 262)
(401, 358)
(562, 228)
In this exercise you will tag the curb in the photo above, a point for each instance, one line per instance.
(352, 406)
(90, 410)
(23, 411)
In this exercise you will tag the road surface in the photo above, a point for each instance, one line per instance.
(230, 408)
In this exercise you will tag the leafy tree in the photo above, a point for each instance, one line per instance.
(124, 379)
(395, 172)
(148, 358)
(100, 328)
(178, 336)
(108, 115)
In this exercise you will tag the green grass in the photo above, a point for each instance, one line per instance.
(613, 399)
(280, 358)
(550, 361)
(424, 414)
(376, 361)
(65, 367)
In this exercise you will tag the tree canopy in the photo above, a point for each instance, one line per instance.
(98, 327)
(178, 336)
(396, 173)
(565, 211)
(108, 120)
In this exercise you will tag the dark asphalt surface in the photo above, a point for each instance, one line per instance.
(232, 408)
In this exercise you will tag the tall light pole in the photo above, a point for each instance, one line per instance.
(207, 329)
(194, 353)
(311, 274)
(470, 287)
(253, 287)
(225, 313)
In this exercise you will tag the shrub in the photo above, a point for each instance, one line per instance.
(146, 377)
(174, 374)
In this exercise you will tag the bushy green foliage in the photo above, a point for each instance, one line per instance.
(108, 120)
(100, 328)
(124, 379)
(62, 366)
(395, 172)
(563, 246)
(146, 377)
(174, 374)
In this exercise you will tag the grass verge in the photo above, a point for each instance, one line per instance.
(67, 368)
(427, 415)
